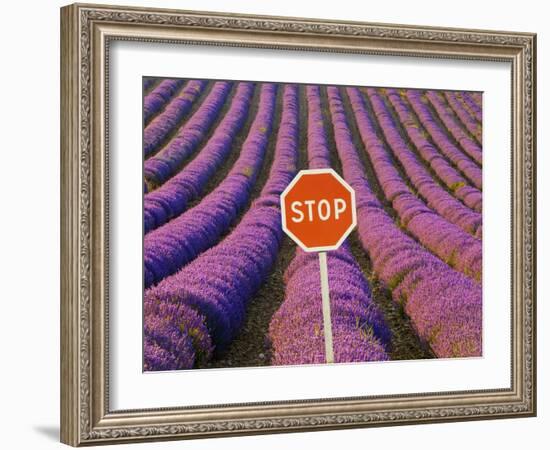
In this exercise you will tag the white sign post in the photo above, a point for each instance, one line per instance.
(325, 296)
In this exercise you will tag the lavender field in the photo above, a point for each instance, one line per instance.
(225, 287)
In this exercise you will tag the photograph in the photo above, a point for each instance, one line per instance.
(227, 284)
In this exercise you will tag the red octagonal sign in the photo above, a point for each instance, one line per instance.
(318, 210)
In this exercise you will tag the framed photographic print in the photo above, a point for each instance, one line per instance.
(276, 224)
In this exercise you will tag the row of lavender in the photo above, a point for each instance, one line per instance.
(470, 145)
(161, 126)
(159, 97)
(172, 198)
(445, 239)
(443, 304)
(161, 166)
(449, 148)
(170, 247)
(209, 320)
(213, 290)
(450, 176)
(436, 197)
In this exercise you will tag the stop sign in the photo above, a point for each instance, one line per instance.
(318, 210)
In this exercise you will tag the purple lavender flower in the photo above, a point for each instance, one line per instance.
(455, 182)
(453, 245)
(448, 207)
(168, 160)
(473, 127)
(175, 336)
(148, 83)
(159, 97)
(218, 284)
(470, 169)
(162, 125)
(171, 246)
(471, 105)
(172, 198)
(443, 305)
(469, 145)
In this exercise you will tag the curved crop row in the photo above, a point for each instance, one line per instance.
(469, 195)
(476, 97)
(172, 198)
(444, 305)
(447, 147)
(454, 246)
(471, 147)
(161, 126)
(437, 198)
(472, 105)
(177, 242)
(215, 289)
(175, 336)
(167, 161)
(473, 127)
(296, 329)
(159, 96)
(358, 327)
(148, 83)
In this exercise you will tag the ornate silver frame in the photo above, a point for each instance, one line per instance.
(86, 31)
